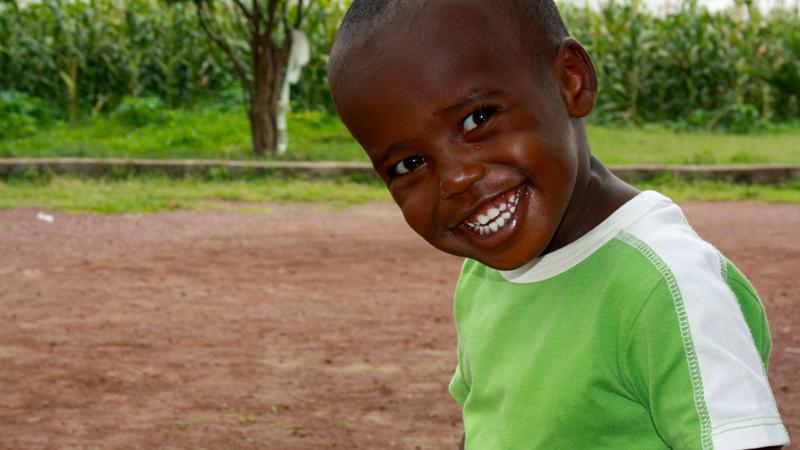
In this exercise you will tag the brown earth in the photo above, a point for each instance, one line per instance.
(293, 328)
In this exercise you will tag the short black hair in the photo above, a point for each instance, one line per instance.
(540, 17)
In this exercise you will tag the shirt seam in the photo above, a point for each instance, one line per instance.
(744, 423)
(723, 264)
(686, 336)
(749, 288)
(748, 419)
(744, 427)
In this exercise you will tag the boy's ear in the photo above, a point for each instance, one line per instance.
(576, 78)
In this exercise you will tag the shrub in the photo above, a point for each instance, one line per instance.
(140, 111)
(739, 118)
(21, 115)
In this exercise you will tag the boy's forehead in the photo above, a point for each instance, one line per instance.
(419, 29)
(423, 58)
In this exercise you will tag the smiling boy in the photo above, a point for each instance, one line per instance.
(589, 315)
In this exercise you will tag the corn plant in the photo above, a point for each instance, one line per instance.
(687, 66)
(691, 63)
(84, 55)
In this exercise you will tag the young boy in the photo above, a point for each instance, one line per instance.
(589, 315)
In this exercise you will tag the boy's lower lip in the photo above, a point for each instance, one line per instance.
(503, 234)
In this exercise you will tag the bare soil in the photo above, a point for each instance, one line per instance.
(294, 328)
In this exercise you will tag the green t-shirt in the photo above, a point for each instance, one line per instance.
(639, 335)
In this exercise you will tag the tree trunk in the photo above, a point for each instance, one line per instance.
(263, 128)
(263, 110)
(262, 84)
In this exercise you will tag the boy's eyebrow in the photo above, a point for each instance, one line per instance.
(476, 96)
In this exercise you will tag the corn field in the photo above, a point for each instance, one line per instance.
(692, 65)
(82, 56)
(687, 66)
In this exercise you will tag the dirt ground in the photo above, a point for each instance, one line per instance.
(294, 328)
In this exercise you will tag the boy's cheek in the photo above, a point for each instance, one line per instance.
(412, 194)
(415, 212)
(397, 195)
(419, 213)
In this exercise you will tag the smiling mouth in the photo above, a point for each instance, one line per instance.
(496, 215)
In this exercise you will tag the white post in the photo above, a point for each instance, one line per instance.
(298, 57)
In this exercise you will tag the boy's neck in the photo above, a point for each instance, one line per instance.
(594, 198)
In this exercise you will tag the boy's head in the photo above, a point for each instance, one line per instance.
(470, 111)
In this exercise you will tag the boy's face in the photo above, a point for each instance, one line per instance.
(467, 128)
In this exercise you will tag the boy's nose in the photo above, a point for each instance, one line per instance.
(457, 176)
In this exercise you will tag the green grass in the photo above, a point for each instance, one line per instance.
(213, 134)
(198, 134)
(658, 145)
(707, 190)
(186, 134)
(157, 194)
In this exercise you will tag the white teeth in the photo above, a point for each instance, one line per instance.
(495, 217)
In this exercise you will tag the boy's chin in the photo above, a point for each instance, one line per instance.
(509, 258)
(504, 262)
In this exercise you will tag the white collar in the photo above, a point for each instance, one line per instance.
(566, 257)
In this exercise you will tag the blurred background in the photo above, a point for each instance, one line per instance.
(141, 78)
(709, 82)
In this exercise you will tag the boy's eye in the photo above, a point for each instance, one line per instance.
(407, 165)
(475, 119)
